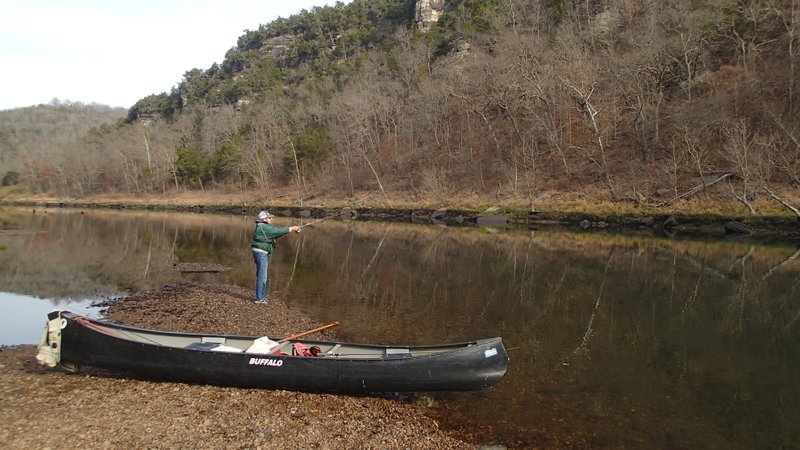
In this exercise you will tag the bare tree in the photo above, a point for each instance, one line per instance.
(789, 14)
(744, 150)
(747, 26)
(583, 97)
(541, 99)
(363, 117)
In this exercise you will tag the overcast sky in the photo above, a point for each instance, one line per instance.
(117, 52)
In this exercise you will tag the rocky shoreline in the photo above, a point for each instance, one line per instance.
(51, 408)
(664, 222)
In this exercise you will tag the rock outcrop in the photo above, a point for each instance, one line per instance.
(427, 12)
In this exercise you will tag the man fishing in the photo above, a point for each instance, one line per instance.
(263, 244)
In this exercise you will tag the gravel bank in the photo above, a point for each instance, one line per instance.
(50, 408)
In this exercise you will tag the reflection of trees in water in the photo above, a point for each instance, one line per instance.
(106, 252)
(474, 275)
(603, 332)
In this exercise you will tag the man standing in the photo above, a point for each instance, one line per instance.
(263, 243)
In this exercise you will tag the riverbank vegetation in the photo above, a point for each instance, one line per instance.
(644, 106)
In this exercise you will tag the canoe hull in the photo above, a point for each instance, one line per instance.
(465, 366)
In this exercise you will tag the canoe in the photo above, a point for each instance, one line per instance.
(70, 340)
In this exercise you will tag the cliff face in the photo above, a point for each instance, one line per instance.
(427, 12)
(277, 46)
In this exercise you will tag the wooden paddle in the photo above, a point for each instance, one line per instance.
(310, 331)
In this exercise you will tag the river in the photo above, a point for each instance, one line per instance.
(616, 340)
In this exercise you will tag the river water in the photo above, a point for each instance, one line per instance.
(634, 341)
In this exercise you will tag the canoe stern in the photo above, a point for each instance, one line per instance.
(50, 344)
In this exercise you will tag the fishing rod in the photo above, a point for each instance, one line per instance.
(314, 221)
(320, 220)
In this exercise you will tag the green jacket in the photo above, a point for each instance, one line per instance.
(264, 236)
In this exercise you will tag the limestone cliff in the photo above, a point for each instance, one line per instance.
(427, 12)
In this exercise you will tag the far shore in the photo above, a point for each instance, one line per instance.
(686, 217)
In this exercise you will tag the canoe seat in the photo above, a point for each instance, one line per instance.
(397, 353)
(202, 345)
(213, 346)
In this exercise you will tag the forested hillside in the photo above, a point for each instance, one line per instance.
(32, 137)
(647, 101)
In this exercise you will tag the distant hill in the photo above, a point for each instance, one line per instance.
(31, 131)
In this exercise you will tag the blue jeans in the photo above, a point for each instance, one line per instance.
(261, 260)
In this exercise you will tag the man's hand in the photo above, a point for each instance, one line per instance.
(295, 229)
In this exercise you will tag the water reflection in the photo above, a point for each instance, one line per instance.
(20, 327)
(615, 341)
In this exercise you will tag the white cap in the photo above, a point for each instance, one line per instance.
(263, 215)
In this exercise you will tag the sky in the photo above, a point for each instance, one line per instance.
(118, 52)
